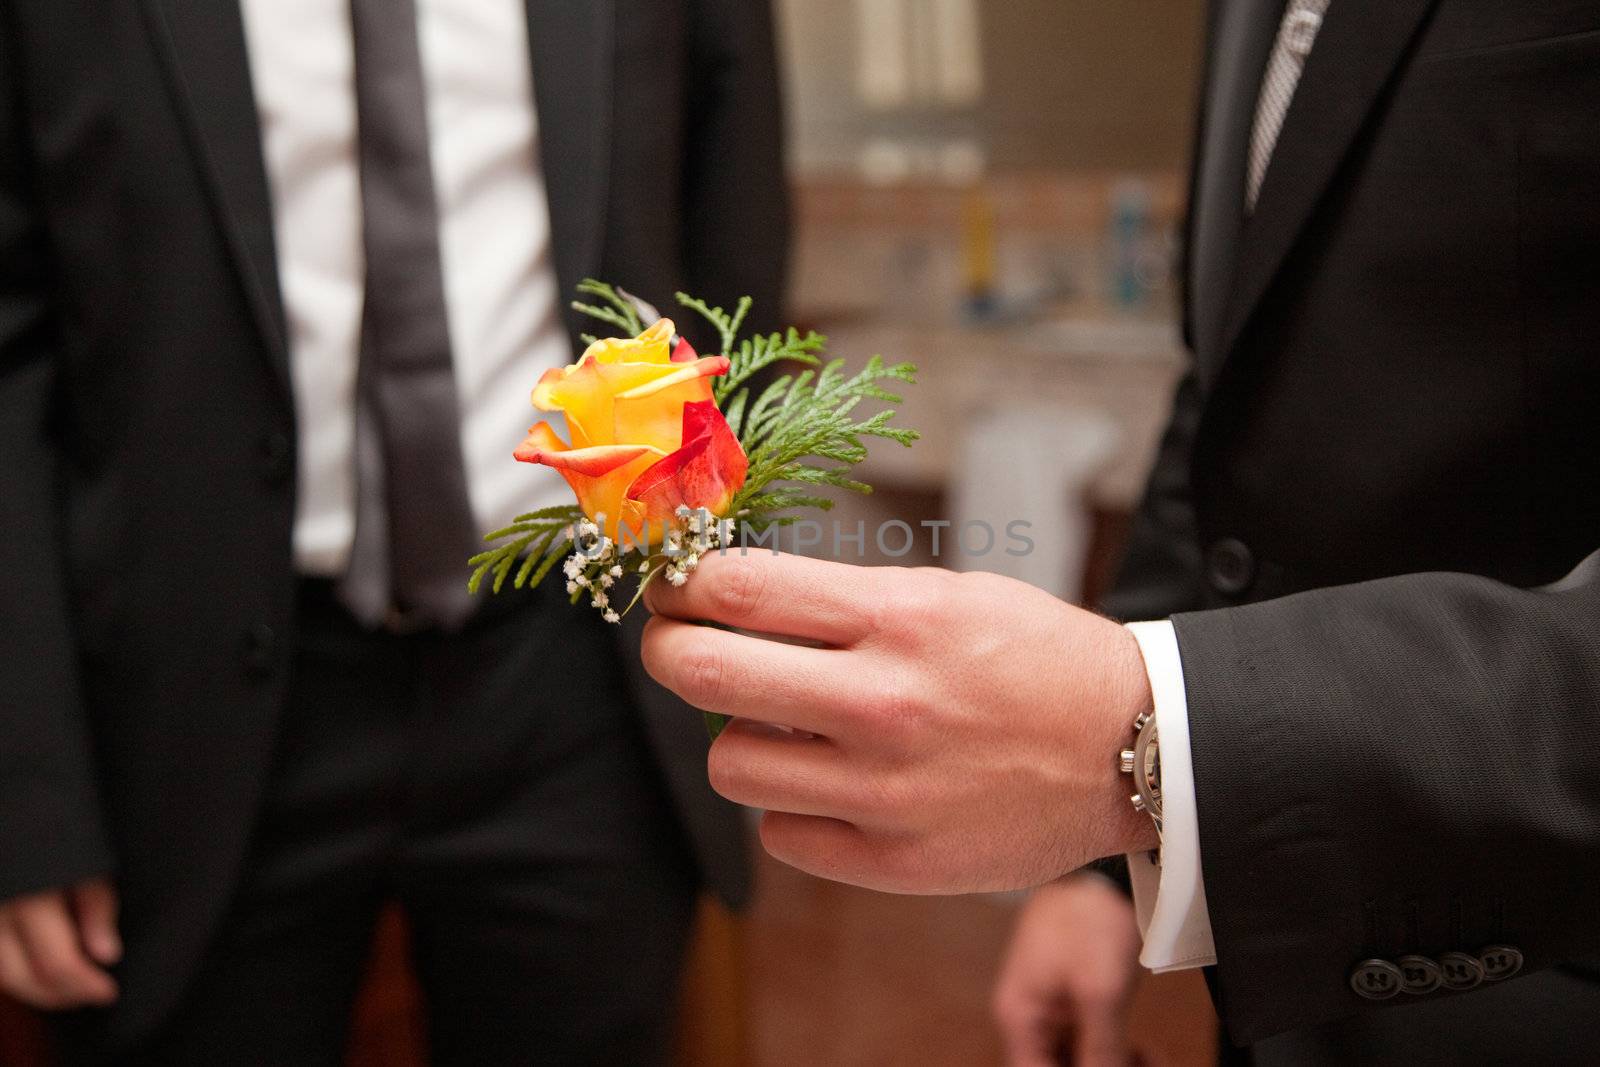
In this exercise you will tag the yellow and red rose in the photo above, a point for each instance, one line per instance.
(647, 437)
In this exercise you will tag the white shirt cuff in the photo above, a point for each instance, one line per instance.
(1170, 900)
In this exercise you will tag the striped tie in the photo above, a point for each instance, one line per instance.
(1296, 35)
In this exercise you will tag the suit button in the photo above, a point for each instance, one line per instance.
(1420, 975)
(1500, 962)
(277, 458)
(260, 646)
(1376, 979)
(1231, 566)
(1460, 971)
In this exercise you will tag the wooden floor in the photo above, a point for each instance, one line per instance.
(843, 977)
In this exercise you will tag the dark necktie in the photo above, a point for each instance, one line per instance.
(414, 526)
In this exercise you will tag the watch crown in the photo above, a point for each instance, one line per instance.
(1138, 802)
(1141, 721)
(1127, 761)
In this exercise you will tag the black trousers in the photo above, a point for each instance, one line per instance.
(496, 783)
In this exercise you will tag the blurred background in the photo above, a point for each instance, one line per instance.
(991, 189)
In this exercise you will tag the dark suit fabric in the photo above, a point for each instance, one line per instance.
(498, 785)
(147, 481)
(1393, 712)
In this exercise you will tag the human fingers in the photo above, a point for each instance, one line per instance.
(749, 677)
(56, 957)
(832, 603)
(94, 904)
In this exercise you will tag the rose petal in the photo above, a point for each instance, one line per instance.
(544, 447)
(705, 473)
(709, 367)
(541, 439)
(625, 403)
(652, 346)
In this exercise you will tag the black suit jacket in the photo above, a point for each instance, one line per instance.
(146, 423)
(1385, 452)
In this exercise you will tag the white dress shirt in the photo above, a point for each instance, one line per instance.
(1170, 900)
(501, 292)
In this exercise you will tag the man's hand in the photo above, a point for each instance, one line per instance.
(1068, 980)
(937, 733)
(55, 946)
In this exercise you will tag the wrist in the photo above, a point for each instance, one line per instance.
(1129, 829)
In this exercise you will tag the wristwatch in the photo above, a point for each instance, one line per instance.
(1143, 763)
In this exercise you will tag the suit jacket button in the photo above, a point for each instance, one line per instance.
(1460, 971)
(1376, 979)
(277, 458)
(260, 646)
(1230, 566)
(1500, 962)
(1421, 975)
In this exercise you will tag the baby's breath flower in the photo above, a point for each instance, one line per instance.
(606, 581)
(616, 572)
(676, 577)
(601, 600)
(611, 617)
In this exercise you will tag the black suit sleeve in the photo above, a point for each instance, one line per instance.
(736, 201)
(1161, 570)
(1410, 765)
(50, 822)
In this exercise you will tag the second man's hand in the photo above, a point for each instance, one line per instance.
(57, 947)
(935, 733)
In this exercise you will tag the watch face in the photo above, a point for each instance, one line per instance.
(1147, 771)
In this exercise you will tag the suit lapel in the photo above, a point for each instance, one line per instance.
(572, 44)
(1350, 66)
(202, 47)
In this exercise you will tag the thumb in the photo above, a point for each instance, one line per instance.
(94, 905)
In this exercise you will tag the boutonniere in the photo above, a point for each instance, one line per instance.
(670, 455)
